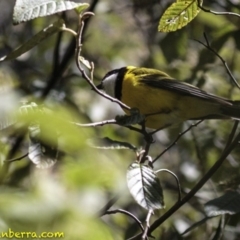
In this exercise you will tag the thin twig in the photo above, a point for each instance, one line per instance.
(177, 180)
(88, 79)
(65, 29)
(217, 13)
(231, 136)
(126, 213)
(147, 148)
(108, 205)
(207, 45)
(231, 144)
(55, 78)
(201, 160)
(4, 169)
(16, 159)
(95, 124)
(176, 140)
(56, 52)
(219, 231)
(106, 122)
(145, 234)
(149, 140)
(198, 152)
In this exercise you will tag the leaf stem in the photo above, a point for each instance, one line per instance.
(231, 144)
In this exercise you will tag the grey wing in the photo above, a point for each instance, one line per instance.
(181, 88)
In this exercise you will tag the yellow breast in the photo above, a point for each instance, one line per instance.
(161, 107)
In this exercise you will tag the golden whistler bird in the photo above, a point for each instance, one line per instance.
(163, 100)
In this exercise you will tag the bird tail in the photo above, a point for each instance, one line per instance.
(232, 111)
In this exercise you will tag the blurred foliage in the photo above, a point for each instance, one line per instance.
(69, 196)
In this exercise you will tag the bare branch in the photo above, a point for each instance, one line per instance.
(65, 29)
(231, 144)
(217, 13)
(145, 234)
(207, 45)
(126, 213)
(96, 124)
(109, 204)
(177, 180)
(88, 79)
(176, 140)
(106, 122)
(16, 159)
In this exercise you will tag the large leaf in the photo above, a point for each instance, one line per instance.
(178, 15)
(35, 40)
(226, 204)
(145, 186)
(25, 10)
(54, 117)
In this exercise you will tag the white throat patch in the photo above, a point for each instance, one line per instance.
(109, 84)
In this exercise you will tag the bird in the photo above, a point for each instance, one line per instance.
(163, 100)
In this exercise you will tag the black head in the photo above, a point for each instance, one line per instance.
(112, 82)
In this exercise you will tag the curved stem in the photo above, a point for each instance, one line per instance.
(177, 180)
(231, 144)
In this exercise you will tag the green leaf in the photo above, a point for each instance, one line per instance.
(178, 15)
(226, 204)
(42, 150)
(35, 40)
(107, 143)
(29, 109)
(25, 10)
(81, 8)
(144, 186)
(72, 138)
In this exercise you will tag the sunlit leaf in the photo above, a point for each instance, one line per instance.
(35, 40)
(107, 143)
(81, 8)
(29, 108)
(226, 204)
(25, 10)
(178, 15)
(145, 186)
